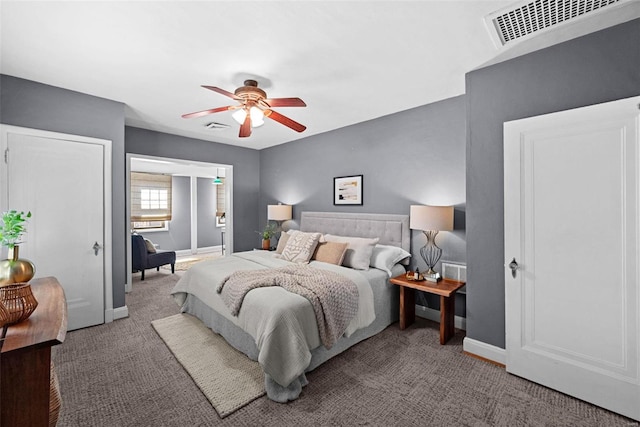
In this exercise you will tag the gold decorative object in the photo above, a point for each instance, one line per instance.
(18, 300)
(4, 315)
(411, 276)
(14, 269)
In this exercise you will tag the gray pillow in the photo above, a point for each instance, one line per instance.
(358, 255)
(385, 257)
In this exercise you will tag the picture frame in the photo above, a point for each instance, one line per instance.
(347, 190)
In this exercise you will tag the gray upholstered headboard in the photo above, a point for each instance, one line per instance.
(391, 229)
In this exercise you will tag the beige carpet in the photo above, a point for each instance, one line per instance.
(228, 378)
(183, 264)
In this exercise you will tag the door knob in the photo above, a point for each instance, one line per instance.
(513, 265)
(96, 248)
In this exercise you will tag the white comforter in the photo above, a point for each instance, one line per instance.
(283, 324)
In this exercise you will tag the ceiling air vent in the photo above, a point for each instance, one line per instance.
(525, 18)
(215, 126)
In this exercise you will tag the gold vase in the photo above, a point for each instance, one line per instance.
(14, 269)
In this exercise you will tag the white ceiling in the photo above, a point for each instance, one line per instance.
(349, 61)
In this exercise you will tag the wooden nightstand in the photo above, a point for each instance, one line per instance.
(445, 288)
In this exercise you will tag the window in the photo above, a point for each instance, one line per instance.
(150, 225)
(153, 198)
(150, 198)
(220, 209)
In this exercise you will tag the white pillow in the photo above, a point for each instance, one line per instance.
(300, 246)
(358, 255)
(385, 257)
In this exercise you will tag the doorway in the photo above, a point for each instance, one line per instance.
(192, 176)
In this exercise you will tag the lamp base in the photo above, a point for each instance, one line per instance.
(430, 252)
(435, 277)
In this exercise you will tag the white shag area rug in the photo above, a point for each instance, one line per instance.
(227, 377)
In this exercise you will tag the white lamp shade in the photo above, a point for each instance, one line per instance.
(279, 212)
(257, 116)
(435, 218)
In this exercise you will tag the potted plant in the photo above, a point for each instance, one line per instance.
(267, 233)
(13, 227)
(13, 269)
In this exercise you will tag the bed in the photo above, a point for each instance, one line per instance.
(278, 328)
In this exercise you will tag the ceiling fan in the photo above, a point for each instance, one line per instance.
(253, 107)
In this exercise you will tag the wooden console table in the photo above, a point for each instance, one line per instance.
(25, 358)
(447, 291)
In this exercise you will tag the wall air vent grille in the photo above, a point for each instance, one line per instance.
(216, 126)
(530, 17)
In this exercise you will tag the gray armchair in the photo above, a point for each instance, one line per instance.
(141, 259)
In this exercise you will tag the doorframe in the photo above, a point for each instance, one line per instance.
(5, 130)
(228, 244)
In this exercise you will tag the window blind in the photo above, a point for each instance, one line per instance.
(220, 209)
(150, 197)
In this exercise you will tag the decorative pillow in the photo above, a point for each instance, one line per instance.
(150, 247)
(282, 242)
(331, 252)
(300, 246)
(358, 255)
(385, 257)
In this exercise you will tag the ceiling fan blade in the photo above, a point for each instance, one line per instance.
(285, 102)
(205, 112)
(222, 92)
(245, 129)
(274, 115)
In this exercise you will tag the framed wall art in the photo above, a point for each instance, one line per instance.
(347, 190)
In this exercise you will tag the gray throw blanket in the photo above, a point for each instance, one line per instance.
(334, 297)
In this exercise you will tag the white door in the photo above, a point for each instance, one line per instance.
(571, 224)
(61, 182)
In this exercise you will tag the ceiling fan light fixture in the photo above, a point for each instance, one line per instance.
(257, 116)
(253, 101)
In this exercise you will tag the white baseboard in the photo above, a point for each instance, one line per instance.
(484, 350)
(120, 312)
(431, 314)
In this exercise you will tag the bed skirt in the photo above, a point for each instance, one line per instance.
(386, 303)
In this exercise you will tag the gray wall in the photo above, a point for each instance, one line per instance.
(30, 104)
(246, 172)
(208, 233)
(599, 67)
(412, 157)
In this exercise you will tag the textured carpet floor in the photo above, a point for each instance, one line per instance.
(227, 377)
(122, 374)
(183, 263)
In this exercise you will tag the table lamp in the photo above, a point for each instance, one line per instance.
(279, 213)
(430, 220)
